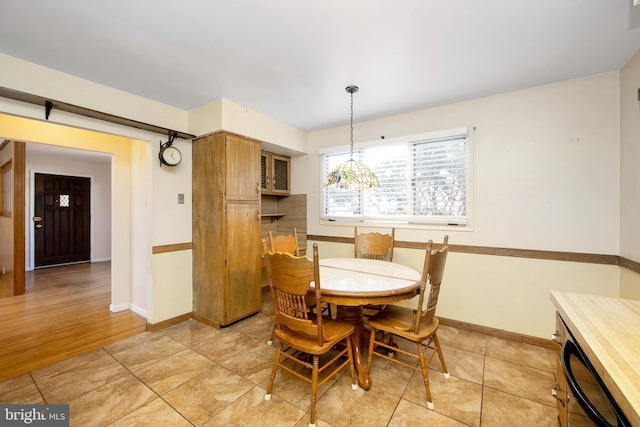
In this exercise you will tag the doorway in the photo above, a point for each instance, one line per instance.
(129, 187)
(62, 220)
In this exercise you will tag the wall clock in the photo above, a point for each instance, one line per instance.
(169, 155)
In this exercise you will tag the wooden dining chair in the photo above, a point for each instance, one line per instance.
(285, 243)
(418, 325)
(373, 246)
(305, 331)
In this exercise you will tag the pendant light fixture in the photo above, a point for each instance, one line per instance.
(351, 175)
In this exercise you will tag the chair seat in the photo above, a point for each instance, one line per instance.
(395, 318)
(334, 332)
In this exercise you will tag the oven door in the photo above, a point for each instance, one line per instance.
(588, 388)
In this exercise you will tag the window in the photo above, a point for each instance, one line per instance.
(5, 177)
(423, 179)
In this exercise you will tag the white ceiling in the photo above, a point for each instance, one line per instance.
(292, 59)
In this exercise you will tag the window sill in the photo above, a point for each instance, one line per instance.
(397, 225)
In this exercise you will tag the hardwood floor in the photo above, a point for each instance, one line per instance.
(64, 312)
(5, 289)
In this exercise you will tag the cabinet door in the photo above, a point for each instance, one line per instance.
(280, 175)
(242, 175)
(243, 260)
(561, 396)
(275, 174)
(208, 229)
(265, 172)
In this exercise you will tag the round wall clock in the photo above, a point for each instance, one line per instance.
(170, 156)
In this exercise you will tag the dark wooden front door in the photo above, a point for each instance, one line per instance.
(62, 219)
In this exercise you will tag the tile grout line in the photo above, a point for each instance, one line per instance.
(147, 386)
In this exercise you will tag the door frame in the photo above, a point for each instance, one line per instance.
(32, 209)
(19, 165)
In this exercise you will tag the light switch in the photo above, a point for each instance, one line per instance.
(180, 199)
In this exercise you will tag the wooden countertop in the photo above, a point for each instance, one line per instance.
(608, 330)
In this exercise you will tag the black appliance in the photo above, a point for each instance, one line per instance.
(587, 387)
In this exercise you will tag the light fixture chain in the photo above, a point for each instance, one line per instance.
(351, 125)
(351, 175)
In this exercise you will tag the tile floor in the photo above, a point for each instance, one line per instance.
(192, 374)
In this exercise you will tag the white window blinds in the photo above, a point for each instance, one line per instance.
(423, 180)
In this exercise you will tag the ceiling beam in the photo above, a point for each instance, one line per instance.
(50, 104)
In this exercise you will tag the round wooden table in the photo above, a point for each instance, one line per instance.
(351, 283)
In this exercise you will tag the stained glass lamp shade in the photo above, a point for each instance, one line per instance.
(351, 175)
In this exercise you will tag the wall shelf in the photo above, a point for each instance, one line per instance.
(274, 216)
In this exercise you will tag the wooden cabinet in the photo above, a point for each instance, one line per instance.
(275, 174)
(226, 228)
(570, 414)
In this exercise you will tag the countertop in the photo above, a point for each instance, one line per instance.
(608, 330)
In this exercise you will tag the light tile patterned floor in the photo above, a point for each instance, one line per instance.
(192, 374)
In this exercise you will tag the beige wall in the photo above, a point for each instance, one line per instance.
(224, 114)
(630, 173)
(34, 79)
(629, 284)
(505, 293)
(546, 167)
(171, 275)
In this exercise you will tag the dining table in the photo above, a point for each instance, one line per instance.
(350, 283)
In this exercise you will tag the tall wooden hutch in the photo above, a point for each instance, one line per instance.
(226, 228)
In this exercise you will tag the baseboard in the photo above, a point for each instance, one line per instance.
(119, 307)
(484, 330)
(100, 259)
(122, 307)
(152, 327)
(142, 312)
(499, 333)
(206, 321)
